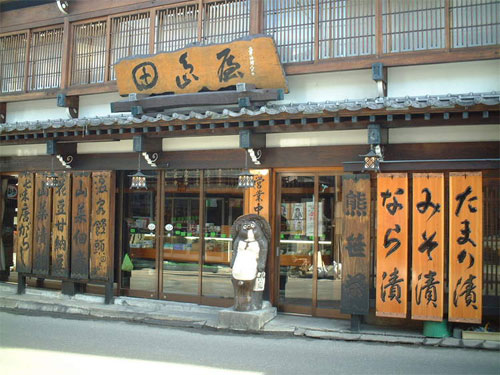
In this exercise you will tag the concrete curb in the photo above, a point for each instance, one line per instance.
(178, 315)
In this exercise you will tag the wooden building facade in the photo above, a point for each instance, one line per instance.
(416, 84)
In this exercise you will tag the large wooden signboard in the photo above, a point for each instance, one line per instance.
(355, 244)
(61, 222)
(466, 247)
(43, 217)
(258, 197)
(80, 229)
(102, 226)
(428, 247)
(392, 245)
(24, 251)
(252, 60)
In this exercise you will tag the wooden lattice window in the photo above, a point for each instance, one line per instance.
(45, 59)
(176, 27)
(129, 36)
(413, 25)
(89, 53)
(346, 28)
(474, 23)
(12, 62)
(226, 20)
(291, 23)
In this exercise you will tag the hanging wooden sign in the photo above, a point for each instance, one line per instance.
(24, 251)
(258, 197)
(252, 60)
(392, 244)
(43, 216)
(102, 226)
(428, 247)
(61, 222)
(465, 278)
(80, 229)
(356, 244)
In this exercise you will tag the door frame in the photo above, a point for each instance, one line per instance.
(313, 310)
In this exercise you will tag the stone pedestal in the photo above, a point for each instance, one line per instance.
(246, 320)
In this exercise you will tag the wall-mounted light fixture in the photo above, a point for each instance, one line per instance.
(138, 178)
(63, 152)
(63, 6)
(377, 136)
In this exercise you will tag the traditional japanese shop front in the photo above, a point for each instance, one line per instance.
(360, 225)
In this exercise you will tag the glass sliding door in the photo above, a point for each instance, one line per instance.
(181, 239)
(308, 241)
(223, 205)
(139, 228)
(296, 245)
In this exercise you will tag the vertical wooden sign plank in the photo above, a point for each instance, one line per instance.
(355, 244)
(61, 225)
(428, 247)
(101, 228)
(43, 216)
(80, 229)
(24, 251)
(392, 244)
(465, 279)
(258, 198)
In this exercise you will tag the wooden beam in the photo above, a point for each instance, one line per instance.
(286, 157)
(395, 59)
(70, 102)
(162, 102)
(3, 113)
(147, 144)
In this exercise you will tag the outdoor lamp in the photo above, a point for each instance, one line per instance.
(52, 181)
(371, 160)
(138, 178)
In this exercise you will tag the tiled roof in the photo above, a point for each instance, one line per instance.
(417, 102)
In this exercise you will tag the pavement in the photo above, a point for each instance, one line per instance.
(175, 314)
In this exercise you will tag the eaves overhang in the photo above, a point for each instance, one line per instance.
(465, 109)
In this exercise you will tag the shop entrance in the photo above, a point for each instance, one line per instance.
(177, 235)
(308, 242)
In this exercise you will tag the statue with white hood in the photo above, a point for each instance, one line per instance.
(251, 238)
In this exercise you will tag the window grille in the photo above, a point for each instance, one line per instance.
(346, 28)
(410, 25)
(89, 53)
(12, 60)
(45, 59)
(129, 36)
(176, 27)
(291, 23)
(474, 23)
(226, 20)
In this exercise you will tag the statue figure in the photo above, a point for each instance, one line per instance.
(251, 237)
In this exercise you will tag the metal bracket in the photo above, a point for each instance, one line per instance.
(65, 160)
(151, 159)
(255, 155)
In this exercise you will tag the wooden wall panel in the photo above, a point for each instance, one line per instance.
(61, 223)
(80, 229)
(258, 198)
(24, 250)
(428, 247)
(465, 278)
(102, 226)
(43, 217)
(392, 244)
(355, 244)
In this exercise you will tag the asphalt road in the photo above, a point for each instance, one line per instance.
(46, 345)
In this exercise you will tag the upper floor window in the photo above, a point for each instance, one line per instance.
(12, 60)
(45, 59)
